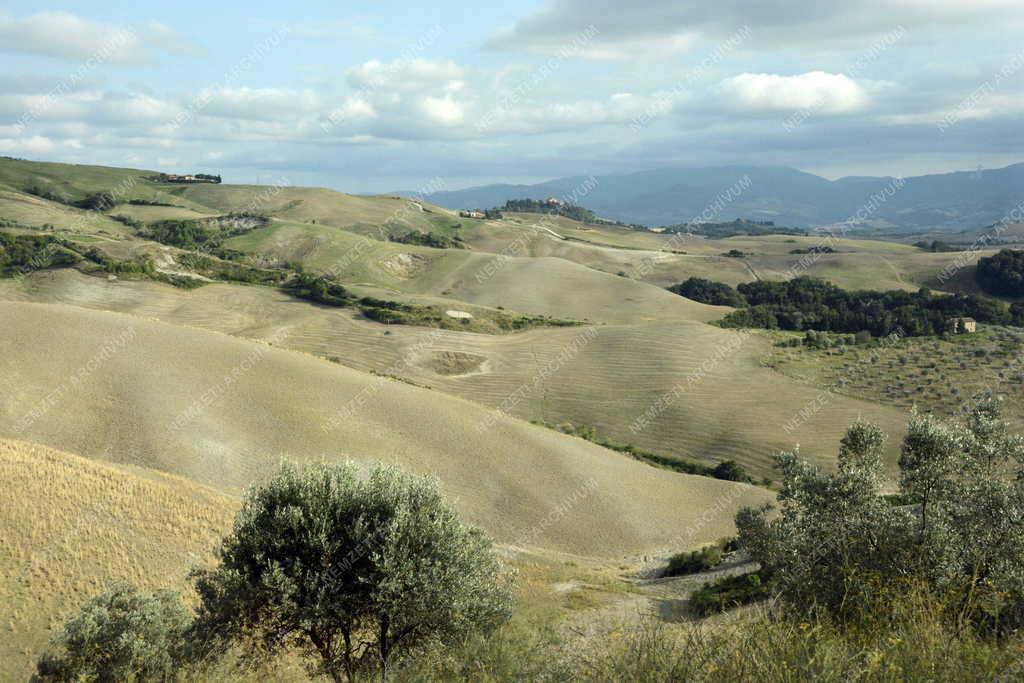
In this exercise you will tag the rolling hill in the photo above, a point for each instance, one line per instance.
(221, 411)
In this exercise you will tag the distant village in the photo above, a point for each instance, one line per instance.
(188, 178)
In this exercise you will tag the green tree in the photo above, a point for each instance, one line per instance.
(838, 544)
(121, 635)
(350, 571)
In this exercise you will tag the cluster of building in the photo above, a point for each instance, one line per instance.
(188, 178)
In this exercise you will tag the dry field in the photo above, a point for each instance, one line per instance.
(78, 525)
(727, 405)
(222, 411)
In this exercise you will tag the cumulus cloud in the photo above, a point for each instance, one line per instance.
(407, 75)
(818, 91)
(441, 110)
(64, 35)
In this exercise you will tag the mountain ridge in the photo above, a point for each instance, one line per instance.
(951, 200)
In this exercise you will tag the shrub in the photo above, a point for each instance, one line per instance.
(319, 289)
(701, 560)
(351, 572)
(122, 635)
(729, 592)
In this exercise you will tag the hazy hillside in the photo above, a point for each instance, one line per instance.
(958, 200)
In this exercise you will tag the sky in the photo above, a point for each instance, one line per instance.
(420, 97)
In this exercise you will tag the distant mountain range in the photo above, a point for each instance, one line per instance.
(947, 201)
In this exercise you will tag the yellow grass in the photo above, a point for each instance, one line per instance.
(70, 526)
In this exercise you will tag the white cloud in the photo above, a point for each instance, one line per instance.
(407, 75)
(67, 36)
(36, 144)
(442, 110)
(353, 109)
(818, 91)
(258, 104)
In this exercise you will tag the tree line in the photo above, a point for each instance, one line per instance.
(807, 303)
(1002, 274)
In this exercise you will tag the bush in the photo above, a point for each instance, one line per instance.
(694, 562)
(319, 289)
(122, 635)
(729, 592)
(352, 572)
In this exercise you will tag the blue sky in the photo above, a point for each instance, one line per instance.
(400, 95)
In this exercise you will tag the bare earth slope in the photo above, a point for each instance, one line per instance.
(222, 411)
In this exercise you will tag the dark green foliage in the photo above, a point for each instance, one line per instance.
(694, 562)
(937, 246)
(206, 235)
(734, 253)
(815, 250)
(127, 220)
(219, 269)
(396, 313)
(552, 207)
(955, 533)
(122, 635)
(1002, 274)
(730, 470)
(319, 289)
(46, 193)
(186, 234)
(1017, 314)
(734, 228)
(429, 239)
(101, 201)
(806, 303)
(353, 572)
(148, 202)
(730, 592)
(709, 292)
(26, 253)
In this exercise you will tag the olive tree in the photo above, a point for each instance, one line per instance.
(121, 635)
(351, 571)
(957, 526)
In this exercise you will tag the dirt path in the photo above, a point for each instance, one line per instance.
(649, 596)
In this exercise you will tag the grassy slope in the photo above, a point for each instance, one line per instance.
(221, 411)
(79, 525)
(640, 255)
(859, 264)
(543, 286)
(603, 376)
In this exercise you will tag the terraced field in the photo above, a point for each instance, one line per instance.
(221, 411)
(605, 376)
